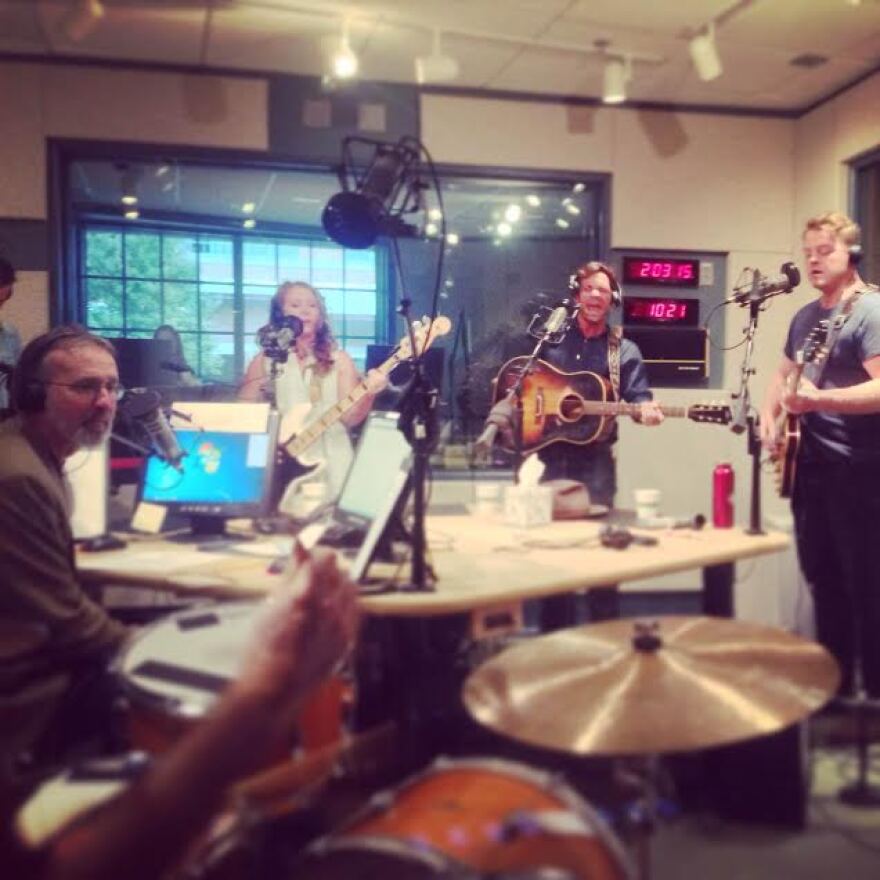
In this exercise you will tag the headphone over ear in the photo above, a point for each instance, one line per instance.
(855, 254)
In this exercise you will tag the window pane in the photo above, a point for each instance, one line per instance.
(256, 306)
(218, 310)
(218, 357)
(179, 256)
(293, 262)
(360, 325)
(335, 300)
(258, 258)
(190, 342)
(103, 303)
(216, 260)
(327, 262)
(181, 306)
(143, 305)
(142, 255)
(360, 269)
(103, 252)
(357, 348)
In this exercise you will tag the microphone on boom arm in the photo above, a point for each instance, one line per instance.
(764, 286)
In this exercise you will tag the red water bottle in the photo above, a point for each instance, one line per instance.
(722, 496)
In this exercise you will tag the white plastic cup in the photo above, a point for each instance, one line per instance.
(647, 503)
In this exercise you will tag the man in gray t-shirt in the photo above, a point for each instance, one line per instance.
(836, 502)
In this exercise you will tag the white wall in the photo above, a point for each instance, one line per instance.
(43, 101)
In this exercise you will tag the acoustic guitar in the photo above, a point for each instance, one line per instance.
(788, 425)
(579, 407)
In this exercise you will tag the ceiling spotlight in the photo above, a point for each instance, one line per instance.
(504, 229)
(132, 214)
(248, 223)
(452, 239)
(248, 208)
(436, 67)
(82, 19)
(704, 54)
(431, 229)
(617, 75)
(512, 213)
(578, 187)
(344, 62)
(128, 185)
(533, 201)
(562, 223)
(435, 214)
(572, 208)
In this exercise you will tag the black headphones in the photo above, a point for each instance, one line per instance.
(591, 268)
(855, 254)
(27, 391)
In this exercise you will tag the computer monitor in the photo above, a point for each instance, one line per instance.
(224, 474)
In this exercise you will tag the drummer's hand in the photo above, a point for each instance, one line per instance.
(650, 413)
(308, 627)
(375, 381)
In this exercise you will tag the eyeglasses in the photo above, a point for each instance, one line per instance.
(92, 388)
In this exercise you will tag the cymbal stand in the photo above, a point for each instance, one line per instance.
(861, 793)
(643, 814)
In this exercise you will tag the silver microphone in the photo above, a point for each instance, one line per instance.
(145, 406)
(557, 319)
(767, 286)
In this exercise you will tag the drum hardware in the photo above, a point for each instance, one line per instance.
(674, 684)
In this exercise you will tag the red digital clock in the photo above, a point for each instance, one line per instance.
(661, 271)
(660, 310)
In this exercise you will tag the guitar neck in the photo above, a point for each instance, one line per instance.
(609, 408)
(314, 430)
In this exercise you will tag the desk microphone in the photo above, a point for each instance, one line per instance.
(145, 407)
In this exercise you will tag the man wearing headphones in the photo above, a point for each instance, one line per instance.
(53, 638)
(592, 345)
(835, 502)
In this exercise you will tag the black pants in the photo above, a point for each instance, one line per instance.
(836, 510)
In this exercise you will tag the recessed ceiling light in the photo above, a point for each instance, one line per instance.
(504, 229)
(132, 214)
(248, 208)
(533, 201)
(249, 223)
(512, 213)
(562, 223)
(452, 239)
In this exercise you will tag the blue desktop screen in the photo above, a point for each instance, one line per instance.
(218, 468)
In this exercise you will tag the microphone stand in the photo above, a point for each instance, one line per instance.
(744, 418)
(418, 423)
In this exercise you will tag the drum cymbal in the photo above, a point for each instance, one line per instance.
(623, 687)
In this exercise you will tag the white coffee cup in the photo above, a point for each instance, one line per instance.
(647, 503)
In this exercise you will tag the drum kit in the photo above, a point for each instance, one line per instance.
(617, 689)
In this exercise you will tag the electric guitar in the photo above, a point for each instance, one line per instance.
(788, 425)
(578, 407)
(300, 431)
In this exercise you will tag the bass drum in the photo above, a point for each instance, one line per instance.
(468, 818)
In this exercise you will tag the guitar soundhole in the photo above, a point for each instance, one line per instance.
(570, 408)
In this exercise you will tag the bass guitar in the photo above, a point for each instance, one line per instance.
(578, 407)
(301, 430)
(788, 425)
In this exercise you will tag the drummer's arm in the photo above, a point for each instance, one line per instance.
(146, 829)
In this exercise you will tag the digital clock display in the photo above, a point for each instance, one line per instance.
(658, 310)
(661, 271)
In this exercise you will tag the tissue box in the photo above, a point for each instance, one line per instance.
(526, 506)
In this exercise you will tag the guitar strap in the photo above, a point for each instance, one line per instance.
(614, 336)
(814, 371)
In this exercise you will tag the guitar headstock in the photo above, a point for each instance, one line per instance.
(814, 349)
(425, 332)
(715, 413)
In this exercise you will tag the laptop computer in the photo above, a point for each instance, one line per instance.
(371, 490)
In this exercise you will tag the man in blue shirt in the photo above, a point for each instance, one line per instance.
(10, 341)
(836, 503)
